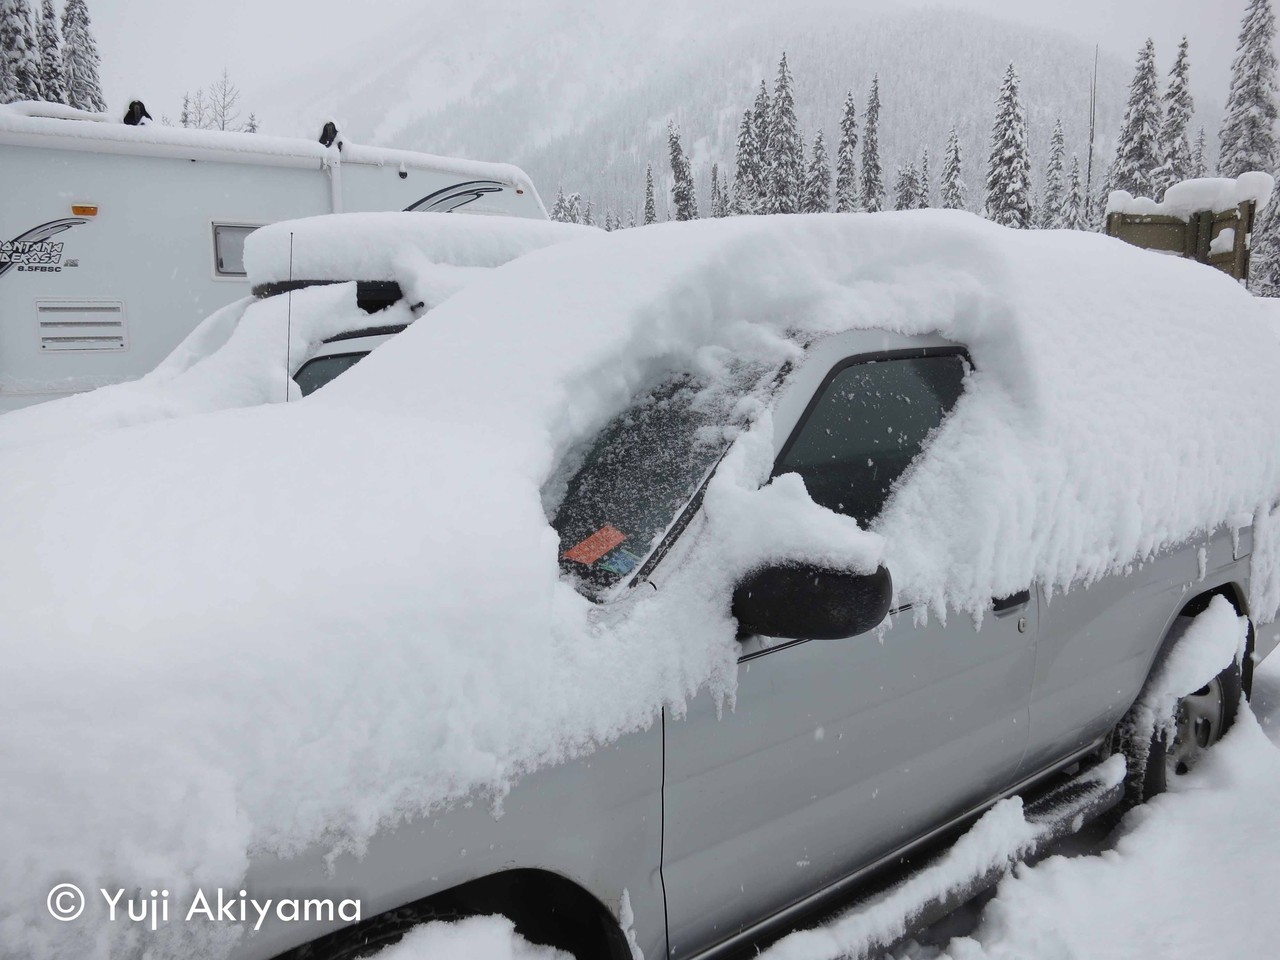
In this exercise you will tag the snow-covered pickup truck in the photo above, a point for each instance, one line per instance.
(661, 592)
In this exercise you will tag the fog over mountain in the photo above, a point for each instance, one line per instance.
(580, 96)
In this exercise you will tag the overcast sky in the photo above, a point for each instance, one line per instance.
(155, 49)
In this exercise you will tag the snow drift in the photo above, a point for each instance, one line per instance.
(232, 591)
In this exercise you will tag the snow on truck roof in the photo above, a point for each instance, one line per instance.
(371, 246)
(59, 127)
(392, 528)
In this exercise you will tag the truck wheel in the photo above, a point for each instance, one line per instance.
(1200, 721)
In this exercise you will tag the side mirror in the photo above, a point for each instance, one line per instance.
(805, 602)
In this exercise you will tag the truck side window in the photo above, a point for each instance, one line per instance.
(228, 248)
(869, 421)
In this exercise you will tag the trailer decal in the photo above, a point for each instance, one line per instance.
(451, 198)
(33, 251)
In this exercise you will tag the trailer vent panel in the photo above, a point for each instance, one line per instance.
(82, 325)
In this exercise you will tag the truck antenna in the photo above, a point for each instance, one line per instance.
(288, 328)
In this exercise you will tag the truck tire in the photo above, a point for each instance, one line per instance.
(1201, 719)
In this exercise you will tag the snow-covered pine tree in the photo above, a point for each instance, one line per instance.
(1073, 212)
(559, 209)
(682, 194)
(846, 159)
(1138, 149)
(745, 176)
(1009, 166)
(785, 155)
(573, 208)
(722, 207)
(817, 181)
(251, 125)
(8, 92)
(1199, 158)
(18, 47)
(650, 208)
(953, 191)
(872, 175)
(762, 121)
(906, 188)
(52, 86)
(80, 59)
(715, 189)
(1096, 207)
(1178, 108)
(588, 214)
(923, 201)
(1264, 255)
(631, 218)
(1051, 208)
(1248, 138)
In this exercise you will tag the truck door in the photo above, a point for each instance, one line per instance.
(838, 752)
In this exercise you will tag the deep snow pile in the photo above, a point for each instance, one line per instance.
(223, 578)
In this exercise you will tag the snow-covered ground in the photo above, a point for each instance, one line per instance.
(1191, 874)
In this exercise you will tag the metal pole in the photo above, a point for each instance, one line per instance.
(1093, 114)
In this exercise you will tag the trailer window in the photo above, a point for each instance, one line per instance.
(228, 248)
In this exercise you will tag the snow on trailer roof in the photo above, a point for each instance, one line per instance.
(391, 528)
(53, 125)
(373, 246)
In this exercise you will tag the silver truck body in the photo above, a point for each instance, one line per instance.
(836, 756)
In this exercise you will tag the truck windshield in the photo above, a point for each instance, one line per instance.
(316, 373)
(633, 479)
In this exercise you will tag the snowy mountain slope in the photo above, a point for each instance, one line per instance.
(579, 94)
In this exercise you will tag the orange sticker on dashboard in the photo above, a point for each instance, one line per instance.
(597, 545)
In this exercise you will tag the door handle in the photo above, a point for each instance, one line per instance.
(1003, 606)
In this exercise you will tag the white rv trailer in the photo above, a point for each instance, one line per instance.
(116, 239)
